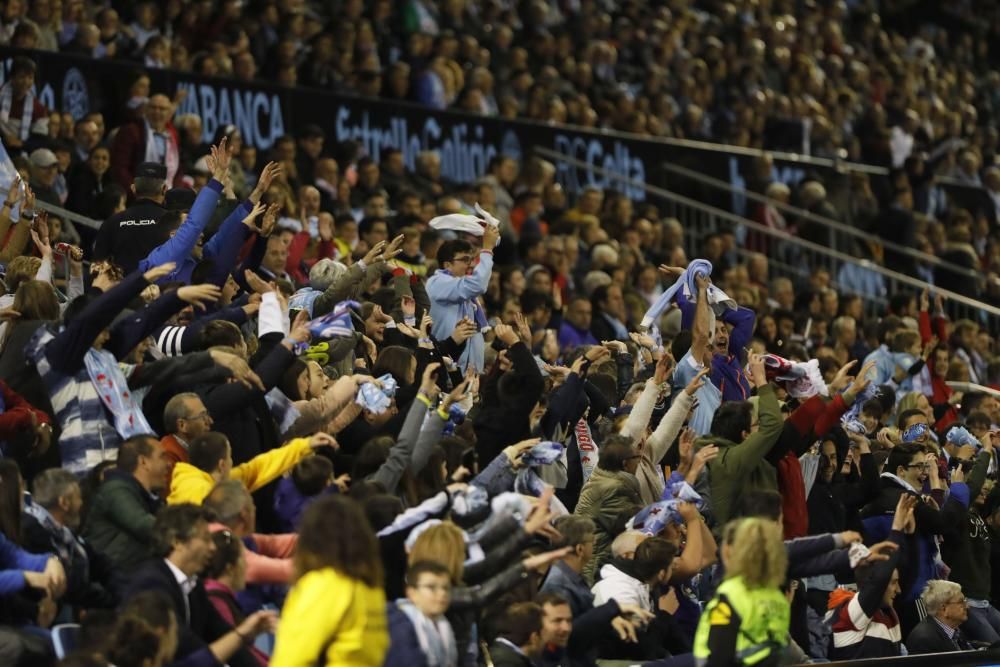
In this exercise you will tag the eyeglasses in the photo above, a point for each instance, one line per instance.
(922, 466)
(201, 415)
(463, 258)
(962, 602)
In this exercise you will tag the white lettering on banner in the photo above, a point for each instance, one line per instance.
(256, 113)
(787, 174)
(619, 162)
(464, 158)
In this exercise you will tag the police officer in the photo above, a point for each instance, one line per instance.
(126, 237)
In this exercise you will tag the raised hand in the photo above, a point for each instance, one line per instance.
(464, 330)
(523, 328)
(541, 562)
(863, 379)
(506, 334)
(490, 236)
(15, 191)
(257, 210)
(256, 283)
(394, 248)
(323, 440)
(267, 176)
(218, 160)
(515, 452)
(842, 379)
(428, 383)
(374, 254)
(757, 371)
(697, 382)
(671, 271)
(199, 296)
(161, 271)
(300, 328)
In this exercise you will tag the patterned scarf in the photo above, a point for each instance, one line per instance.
(67, 547)
(587, 447)
(437, 641)
(7, 99)
(112, 387)
(170, 158)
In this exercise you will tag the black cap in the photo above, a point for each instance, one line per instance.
(179, 199)
(151, 170)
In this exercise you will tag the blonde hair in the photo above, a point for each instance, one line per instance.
(756, 552)
(444, 544)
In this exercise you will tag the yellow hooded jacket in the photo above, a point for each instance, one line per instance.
(191, 485)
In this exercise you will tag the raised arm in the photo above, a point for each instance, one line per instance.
(759, 443)
(743, 320)
(700, 327)
(464, 288)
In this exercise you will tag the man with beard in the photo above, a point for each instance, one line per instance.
(907, 469)
(50, 523)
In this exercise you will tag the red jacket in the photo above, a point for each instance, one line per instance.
(16, 414)
(129, 149)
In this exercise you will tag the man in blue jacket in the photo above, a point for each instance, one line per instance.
(454, 291)
(184, 246)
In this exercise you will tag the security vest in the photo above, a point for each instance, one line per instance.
(758, 617)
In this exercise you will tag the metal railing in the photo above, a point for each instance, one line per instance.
(794, 257)
(841, 235)
(66, 214)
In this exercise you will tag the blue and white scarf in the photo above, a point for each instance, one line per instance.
(335, 324)
(112, 388)
(718, 299)
(377, 399)
(304, 300)
(437, 641)
(528, 482)
(652, 519)
(66, 545)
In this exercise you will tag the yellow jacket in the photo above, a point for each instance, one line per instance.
(191, 485)
(330, 619)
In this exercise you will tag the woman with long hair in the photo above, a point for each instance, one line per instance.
(749, 615)
(225, 576)
(335, 613)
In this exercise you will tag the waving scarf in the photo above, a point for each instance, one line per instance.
(960, 436)
(171, 159)
(335, 324)
(437, 641)
(7, 99)
(544, 453)
(718, 299)
(304, 300)
(801, 380)
(468, 224)
(652, 519)
(112, 387)
(587, 447)
(377, 399)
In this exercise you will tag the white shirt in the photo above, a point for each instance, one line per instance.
(187, 585)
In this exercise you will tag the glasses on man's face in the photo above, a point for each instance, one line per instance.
(465, 259)
(921, 466)
(200, 415)
(961, 602)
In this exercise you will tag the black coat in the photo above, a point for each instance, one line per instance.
(204, 625)
(128, 237)
(929, 637)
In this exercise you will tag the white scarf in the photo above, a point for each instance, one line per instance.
(112, 388)
(587, 448)
(6, 99)
(171, 159)
(437, 641)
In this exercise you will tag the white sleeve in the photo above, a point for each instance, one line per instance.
(271, 317)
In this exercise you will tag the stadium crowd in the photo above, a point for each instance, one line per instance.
(312, 408)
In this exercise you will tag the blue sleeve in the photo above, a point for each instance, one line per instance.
(130, 331)
(252, 262)
(687, 310)
(224, 247)
(179, 247)
(742, 320)
(16, 560)
(458, 290)
(66, 351)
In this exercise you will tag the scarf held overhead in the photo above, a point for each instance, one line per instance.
(718, 299)
(112, 387)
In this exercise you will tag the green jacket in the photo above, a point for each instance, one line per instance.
(603, 499)
(740, 467)
(120, 521)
